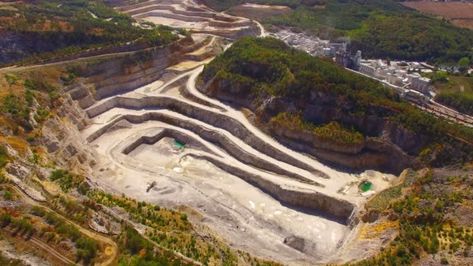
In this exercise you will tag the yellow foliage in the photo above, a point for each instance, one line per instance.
(7, 123)
(373, 231)
(17, 143)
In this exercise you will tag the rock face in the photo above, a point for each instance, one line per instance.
(299, 243)
(193, 111)
(129, 72)
(61, 137)
(311, 201)
(107, 78)
(388, 146)
(101, 79)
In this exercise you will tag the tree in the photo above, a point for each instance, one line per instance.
(464, 63)
(440, 76)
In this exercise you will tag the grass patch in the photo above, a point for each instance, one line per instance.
(382, 200)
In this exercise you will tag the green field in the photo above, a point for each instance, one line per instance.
(460, 84)
(455, 91)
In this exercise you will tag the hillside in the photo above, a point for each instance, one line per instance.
(296, 96)
(53, 30)
(380, 28)
(431, 211)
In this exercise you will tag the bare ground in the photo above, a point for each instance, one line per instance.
(258, 12)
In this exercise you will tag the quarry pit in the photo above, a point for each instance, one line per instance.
(159, 139)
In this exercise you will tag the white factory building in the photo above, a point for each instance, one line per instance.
(400, 74)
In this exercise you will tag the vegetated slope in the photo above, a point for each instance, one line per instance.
(454, 90)
(380, 28)
(27, 103)
(54, 29)
(412, 37)
(317, 107)
(433, 211)
(462, 102)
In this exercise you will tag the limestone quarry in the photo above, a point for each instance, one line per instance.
(156, 137)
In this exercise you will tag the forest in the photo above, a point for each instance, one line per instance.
(380, 28)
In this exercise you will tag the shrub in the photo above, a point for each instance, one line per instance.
(65, 179)
(87, 249)
(461, 101)
(134, 242)
(332, 132)
(23, 226)
(38, 211)
(14, 106)
(83, 188)
(5, 219)
(7, 195)
(11, 79)
(3, 156)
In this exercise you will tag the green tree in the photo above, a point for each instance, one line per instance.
(464, 63)
(440, 76)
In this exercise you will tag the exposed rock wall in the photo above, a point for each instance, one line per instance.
(387, 145)
(61, 137)
(313, 141)
(196, 112)
(115, 76)
(311, 201)
(214, 137)
(191, 17)
(151, 139)
(190, 10)
(126, 73)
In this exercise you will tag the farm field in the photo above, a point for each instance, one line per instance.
(255, 11)
(459, 13)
